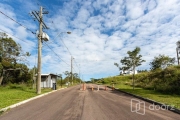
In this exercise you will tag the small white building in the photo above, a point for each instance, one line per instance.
(129, 72)
(47, 80)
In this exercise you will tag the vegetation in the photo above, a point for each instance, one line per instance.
(14, 93)
(159, 85)
(16, 77)
(13, 69)
(68, 78)
(11, 56)
(161, 62)
(164, 81)
(131, 62)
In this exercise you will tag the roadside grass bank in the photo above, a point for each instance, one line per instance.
(124, 83)
(168, 99)
(15, 93)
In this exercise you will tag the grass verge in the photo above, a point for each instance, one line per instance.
(16, 93)
(168, 99)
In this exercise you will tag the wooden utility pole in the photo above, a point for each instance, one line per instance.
(177, 55)
(38, 90)
(71, 69)
(177, 50)
(39, 16)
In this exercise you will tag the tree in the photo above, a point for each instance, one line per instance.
(123, 68)
(132, 61)
(161, 62)
(10, 54)
(92, 80)
(67, 73)
(59, 77)
(75, 75)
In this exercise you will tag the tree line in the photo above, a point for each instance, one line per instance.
(163, 75)
(13, 60)
(134, 60)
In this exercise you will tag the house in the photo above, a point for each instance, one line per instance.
(47, 80)
(128, 72)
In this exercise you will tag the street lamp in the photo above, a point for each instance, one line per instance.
(62, 33)
(63, 42)
(68, 32)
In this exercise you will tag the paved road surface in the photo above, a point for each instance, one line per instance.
(74, 104)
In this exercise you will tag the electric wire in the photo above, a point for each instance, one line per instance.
(67, 49)
(17, 22)
(55, 53)
(26, 43)
(64, 44)
(13, 35)
(38, 3)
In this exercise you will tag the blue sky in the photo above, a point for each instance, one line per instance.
(102, 31)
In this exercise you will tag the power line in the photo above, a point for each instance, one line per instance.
(14, 36)
(59, 57)
(56, 53)
(23, 41)
(65, 46)
(17, 22)
(60, 39)
(68, 50)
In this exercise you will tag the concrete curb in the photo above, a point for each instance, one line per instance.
(170, 108)
(25, 101)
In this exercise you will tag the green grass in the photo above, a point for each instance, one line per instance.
(173, 100)
(15, 93)
(124, 83)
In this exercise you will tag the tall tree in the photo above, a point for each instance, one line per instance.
(161, 62)
(67, 73)
(122, 69)
(132, 61)
(75, 75)
(10, 54)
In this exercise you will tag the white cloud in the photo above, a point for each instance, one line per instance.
(134, 9)
(102, 33)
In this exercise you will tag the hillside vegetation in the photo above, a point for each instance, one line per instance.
(165, 81)
(159, 85)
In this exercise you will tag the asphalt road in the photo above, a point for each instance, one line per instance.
(75, 104)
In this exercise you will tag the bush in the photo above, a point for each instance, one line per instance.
(167, 80)
(18, 86)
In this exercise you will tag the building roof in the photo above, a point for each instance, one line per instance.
(49, 74)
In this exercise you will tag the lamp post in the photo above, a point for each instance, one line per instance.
(63, 43)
